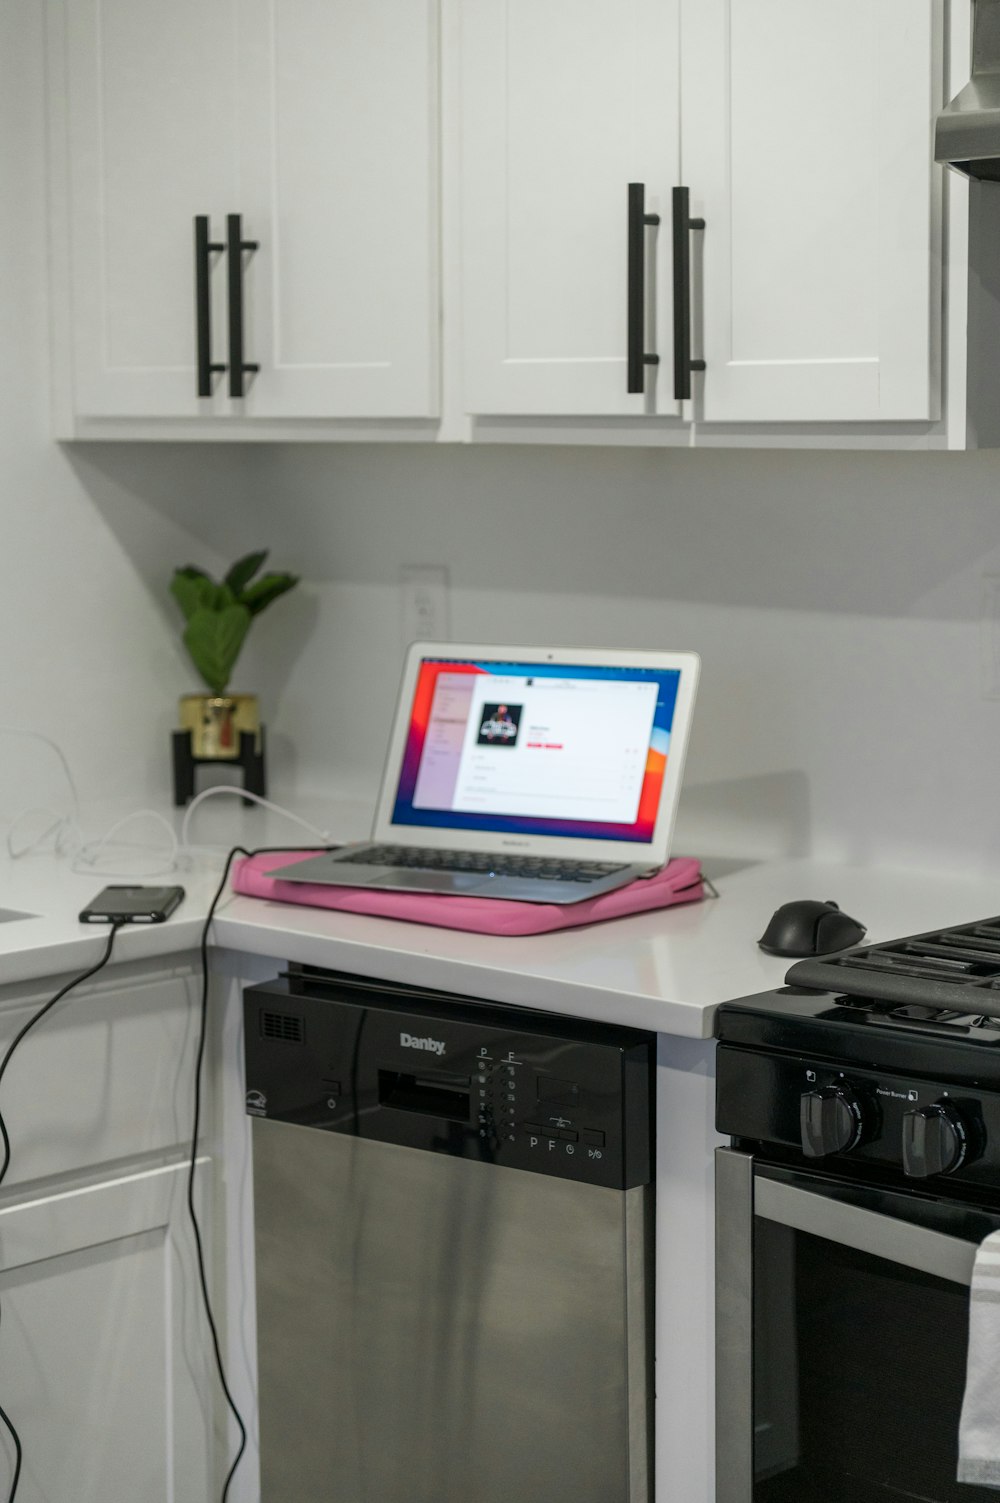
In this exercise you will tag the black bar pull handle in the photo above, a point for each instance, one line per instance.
(204, 245)
(236, 247)
(638, 219)
(683, 364)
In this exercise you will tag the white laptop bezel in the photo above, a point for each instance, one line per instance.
(637, 853)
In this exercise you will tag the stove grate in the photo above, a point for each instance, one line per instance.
(957, 969)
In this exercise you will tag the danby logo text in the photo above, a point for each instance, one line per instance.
(432, 1046)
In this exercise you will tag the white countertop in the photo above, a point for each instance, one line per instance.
(665, 971)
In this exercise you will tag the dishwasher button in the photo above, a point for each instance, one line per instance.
(593, 1137)
(557, 1134)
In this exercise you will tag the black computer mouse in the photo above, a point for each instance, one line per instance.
(808, 927)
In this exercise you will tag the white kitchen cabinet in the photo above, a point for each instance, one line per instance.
(806, 130)
(802, 131)
(564, 104)
(143, 138)
(315, 121)
(338, 102)
(115, 1059)
(105, 1366)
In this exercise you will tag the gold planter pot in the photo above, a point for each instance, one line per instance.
(216, 721)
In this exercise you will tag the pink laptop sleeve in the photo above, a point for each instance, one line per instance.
(680, 881)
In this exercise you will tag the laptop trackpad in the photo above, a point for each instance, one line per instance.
(405, 879)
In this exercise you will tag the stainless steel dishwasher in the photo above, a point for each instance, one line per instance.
(453, 1211)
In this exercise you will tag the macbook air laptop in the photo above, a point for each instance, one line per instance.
(545, 775)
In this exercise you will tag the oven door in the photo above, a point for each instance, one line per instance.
(842, 1318)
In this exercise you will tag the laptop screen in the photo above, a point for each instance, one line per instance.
(537, 748)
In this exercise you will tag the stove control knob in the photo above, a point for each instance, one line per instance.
(832, 1121)
(935, 1141)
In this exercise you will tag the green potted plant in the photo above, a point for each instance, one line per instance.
(217, 616)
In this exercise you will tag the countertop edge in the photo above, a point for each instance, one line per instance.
(679, 1019)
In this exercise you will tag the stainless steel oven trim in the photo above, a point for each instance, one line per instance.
(866, 1231)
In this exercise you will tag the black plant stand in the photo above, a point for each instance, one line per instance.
(250, 760)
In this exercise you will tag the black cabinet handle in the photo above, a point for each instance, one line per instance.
(683, 225)
(638, 219)
(203, 248)
(236, 246)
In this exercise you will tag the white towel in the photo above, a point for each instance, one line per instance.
(979, 1427)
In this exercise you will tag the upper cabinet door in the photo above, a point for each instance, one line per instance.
(144, 110)
(807, 149)
(339, 127)
(565, 103)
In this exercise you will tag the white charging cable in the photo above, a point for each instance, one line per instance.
(92, 854)
(179, 852)
(62, 827)
(65, 828)
(107, 855)
(323, 835)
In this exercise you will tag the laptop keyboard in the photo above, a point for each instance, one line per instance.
(543, 867)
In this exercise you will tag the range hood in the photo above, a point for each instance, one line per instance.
(967, 136)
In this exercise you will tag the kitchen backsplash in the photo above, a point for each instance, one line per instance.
(835, 599)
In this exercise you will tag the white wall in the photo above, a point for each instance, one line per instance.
(90, 643)
(835, 599)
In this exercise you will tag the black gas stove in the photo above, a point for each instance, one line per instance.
(885, 1055)
(862, 1103)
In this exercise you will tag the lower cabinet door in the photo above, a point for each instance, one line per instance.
(105, 1362)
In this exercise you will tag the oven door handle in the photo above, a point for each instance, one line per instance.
(867, 1231)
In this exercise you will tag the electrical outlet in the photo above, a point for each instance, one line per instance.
(989, 637)
(424, 599)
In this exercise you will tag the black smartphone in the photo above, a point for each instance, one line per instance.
(132, 905)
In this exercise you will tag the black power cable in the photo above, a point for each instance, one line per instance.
(5, 1165)
(237, 850)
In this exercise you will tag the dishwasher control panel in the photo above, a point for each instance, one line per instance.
(508, 1086)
